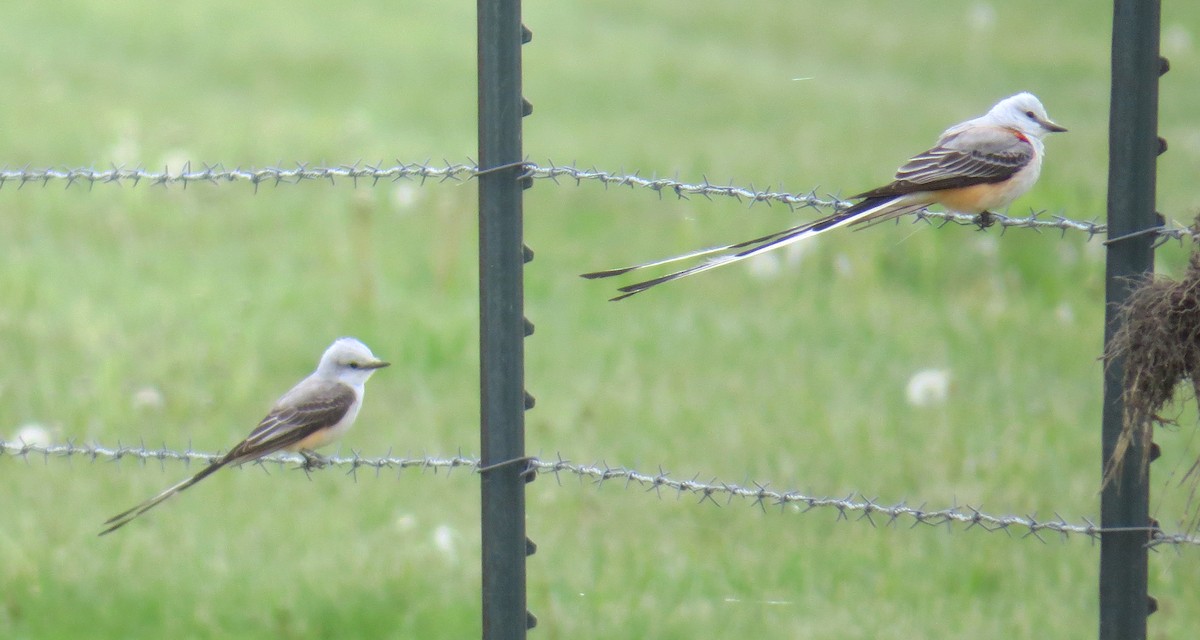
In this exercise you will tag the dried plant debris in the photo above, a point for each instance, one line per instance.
(1159, 339)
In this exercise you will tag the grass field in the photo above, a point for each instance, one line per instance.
(793, 372)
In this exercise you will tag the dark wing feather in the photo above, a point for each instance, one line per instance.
(981, 155)
(312, 405)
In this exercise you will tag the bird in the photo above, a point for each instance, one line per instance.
(314, 413)
(982, 164)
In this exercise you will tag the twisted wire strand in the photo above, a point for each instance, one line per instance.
(758, 494)
(446, 171)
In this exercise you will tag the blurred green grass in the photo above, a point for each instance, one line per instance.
(219, 298)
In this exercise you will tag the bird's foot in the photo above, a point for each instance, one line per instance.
(986, 219)
(313, 460)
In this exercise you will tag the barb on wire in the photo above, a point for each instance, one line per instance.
(758, 494)
(464, 171)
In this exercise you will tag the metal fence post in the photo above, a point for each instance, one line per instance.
(1133, 147)
(502, 326)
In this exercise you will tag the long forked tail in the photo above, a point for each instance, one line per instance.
(608, 273)
(125, 517)
(878, 209)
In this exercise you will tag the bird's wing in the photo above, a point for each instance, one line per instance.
(962, 158)
(312, 405)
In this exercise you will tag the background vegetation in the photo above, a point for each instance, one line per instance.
(176, 315)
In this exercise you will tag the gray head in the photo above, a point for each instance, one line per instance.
(1025, 113)
(349, 361)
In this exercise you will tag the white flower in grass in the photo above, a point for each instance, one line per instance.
(1064, 313)
(148, 398)
(987, 245)
(843, 265)
(928, 387)
(404, 196)
(405, 522)
(445, 540)
(1177, 40)
(33, 433)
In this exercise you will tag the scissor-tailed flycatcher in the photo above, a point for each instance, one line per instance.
(313, 414)
(976, 166)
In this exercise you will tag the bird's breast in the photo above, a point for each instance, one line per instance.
(992, 195)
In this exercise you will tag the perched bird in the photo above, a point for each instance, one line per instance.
(976, 166)
(317, 411)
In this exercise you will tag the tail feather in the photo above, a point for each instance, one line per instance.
(608, 273)
(125, 517)
(872, 209)
(638, 287)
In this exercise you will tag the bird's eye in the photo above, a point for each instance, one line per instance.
(1031, 114)
(353, 365)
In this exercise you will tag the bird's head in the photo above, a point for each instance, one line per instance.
(350, 361)
(1025, 113)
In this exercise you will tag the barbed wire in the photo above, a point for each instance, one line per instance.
(1036, 220)
(142, 453)
(759, 494)
(218, 174)
(464, 171)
